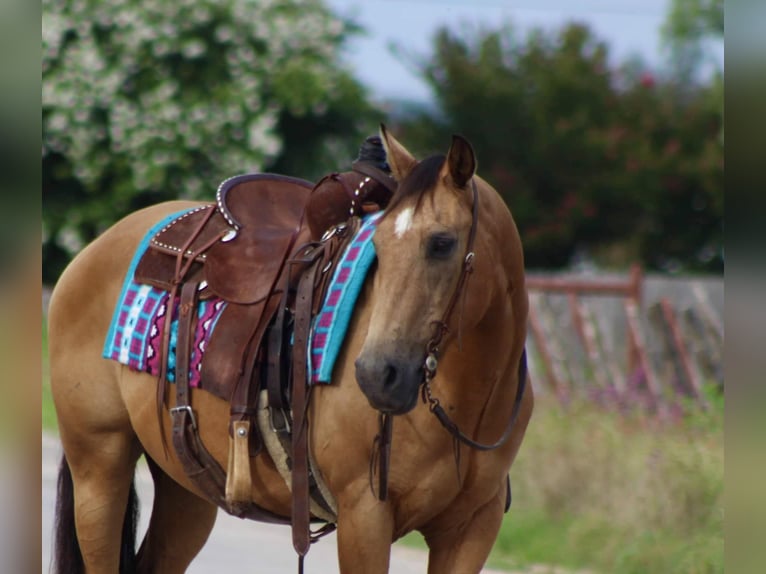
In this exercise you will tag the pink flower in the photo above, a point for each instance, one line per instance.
(647, 80)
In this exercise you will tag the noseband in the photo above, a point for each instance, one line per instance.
(431, 363)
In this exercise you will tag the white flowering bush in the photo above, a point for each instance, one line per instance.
(151, 100)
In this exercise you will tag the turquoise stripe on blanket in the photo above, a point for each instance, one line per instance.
(331, 323)
(126, 286)
(138, 323)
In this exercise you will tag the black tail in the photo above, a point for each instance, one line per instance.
(128, 563)
(67, 557)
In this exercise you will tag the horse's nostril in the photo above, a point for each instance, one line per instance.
(389, 375)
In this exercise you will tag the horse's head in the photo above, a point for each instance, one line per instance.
(421, 245)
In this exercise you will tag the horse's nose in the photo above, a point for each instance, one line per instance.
(390, 375)
(389, 383)
(371, 372)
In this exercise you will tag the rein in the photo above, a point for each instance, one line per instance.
(383, 440)
(432, 351)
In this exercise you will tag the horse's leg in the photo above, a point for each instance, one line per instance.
(180, 525)
(365, 533)
(465, 546)
(102, 467)
(99, 443)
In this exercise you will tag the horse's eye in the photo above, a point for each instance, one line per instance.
(441, 246)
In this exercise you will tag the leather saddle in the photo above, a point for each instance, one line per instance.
(255, 219)
(267, 247)
(236, 250)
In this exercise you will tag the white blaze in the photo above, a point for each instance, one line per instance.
(403, 222)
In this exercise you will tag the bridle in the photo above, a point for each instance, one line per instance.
(431, 363)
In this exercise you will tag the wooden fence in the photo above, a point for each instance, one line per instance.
(596, 338)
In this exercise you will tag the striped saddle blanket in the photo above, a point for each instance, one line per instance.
(135, 334)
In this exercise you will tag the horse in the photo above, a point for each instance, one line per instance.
(107, 415)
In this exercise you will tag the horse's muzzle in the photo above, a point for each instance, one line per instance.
(390, 382)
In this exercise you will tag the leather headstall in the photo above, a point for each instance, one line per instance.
(432, 351)
(441, 328)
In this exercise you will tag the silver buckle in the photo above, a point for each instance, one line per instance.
(189, 410)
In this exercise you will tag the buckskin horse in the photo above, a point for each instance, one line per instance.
(447, 290)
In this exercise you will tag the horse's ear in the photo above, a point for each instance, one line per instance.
(461, 161)
(397, 156)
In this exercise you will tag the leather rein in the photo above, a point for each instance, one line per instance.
(383, 440)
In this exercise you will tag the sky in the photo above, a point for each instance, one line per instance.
(630, 27)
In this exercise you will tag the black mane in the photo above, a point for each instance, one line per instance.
(421, 180)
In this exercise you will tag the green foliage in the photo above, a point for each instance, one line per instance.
(616, 163)
(50, 421)
(690, 26)
(150, 101)
(48, 410)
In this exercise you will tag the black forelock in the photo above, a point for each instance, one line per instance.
(422, 179)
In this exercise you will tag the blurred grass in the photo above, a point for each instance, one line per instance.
(596, 491)
(608, 493)
(48, 412)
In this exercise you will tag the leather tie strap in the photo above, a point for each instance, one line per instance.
(300, 471)
(198, 464)
(381, 455)
(181, 269)
(375, 173)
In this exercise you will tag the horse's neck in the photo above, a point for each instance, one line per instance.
(478, 377)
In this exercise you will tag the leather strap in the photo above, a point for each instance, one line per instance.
(186, 322)
(315, 263)
(365, 168)
(442, 326)
(455, 431)
(300, 469)
(184, 262)
(276, 345)
(381, 451)
(199, 466)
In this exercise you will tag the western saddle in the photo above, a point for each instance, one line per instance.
(267, 247)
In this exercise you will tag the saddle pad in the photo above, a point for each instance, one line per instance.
(135, 334)
(331, 323)
(134, 338)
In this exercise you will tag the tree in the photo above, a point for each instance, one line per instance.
(690, 26)
(691, 30)
(149, 101)
(613, 162)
